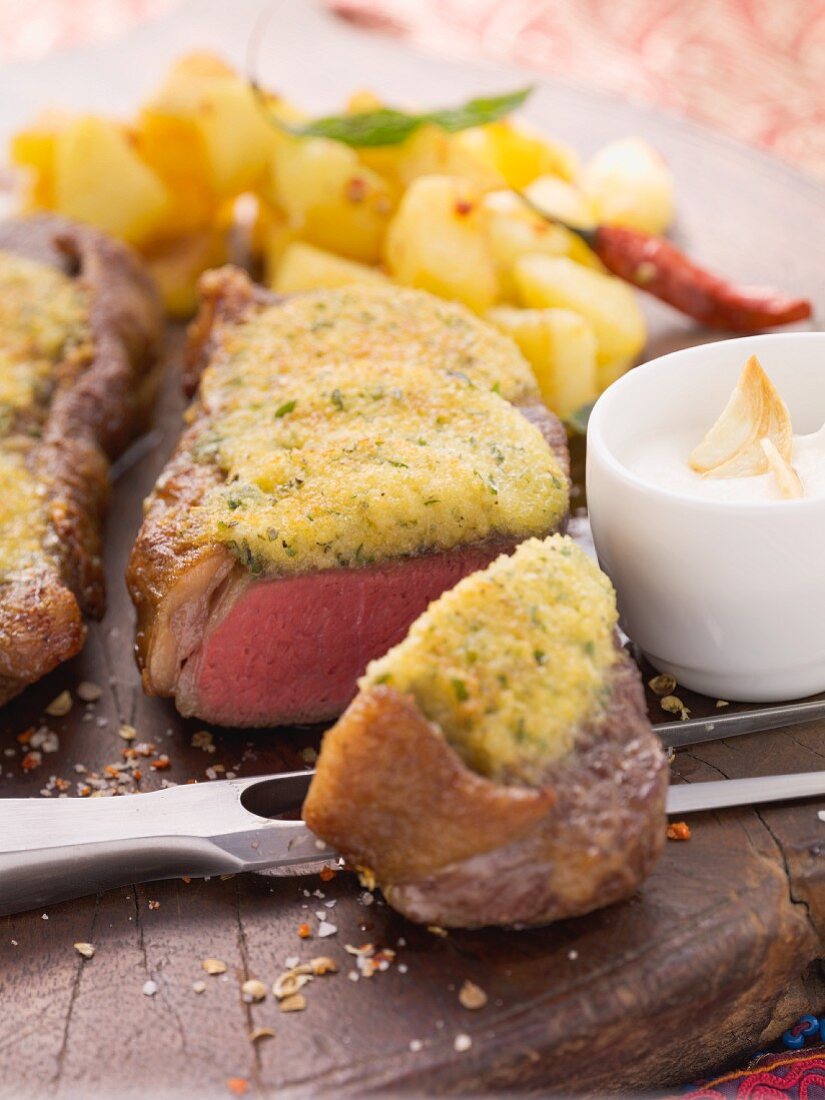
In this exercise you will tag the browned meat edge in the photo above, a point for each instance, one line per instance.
(454, 849)
(96, 407)
(159, 558)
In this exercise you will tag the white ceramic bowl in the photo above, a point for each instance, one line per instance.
(729, 598)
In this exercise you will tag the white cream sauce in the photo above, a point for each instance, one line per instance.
(662, 460)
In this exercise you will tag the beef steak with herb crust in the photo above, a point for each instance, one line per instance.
(349, 455)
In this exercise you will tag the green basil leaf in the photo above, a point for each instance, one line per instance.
(390, 127)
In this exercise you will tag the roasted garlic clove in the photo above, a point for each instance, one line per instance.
(755, 411)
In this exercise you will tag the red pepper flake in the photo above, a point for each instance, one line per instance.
(112, 770)
(162, 763)
(186, 879)
(328, 873)
(62, 784)
(238, 1086)
(26, 736)
(304, 931)
(463, 207)
(31, 760)
(85, 792)
(356, 189)
(137, 775)
(678, 830)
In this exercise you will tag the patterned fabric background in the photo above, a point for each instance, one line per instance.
(751, 68)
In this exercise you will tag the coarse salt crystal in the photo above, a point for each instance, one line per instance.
(327, 928)
(150, 988)
(416, 1045)
(462, 1043)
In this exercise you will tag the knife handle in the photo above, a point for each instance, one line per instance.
(34, 878)
(52, 849)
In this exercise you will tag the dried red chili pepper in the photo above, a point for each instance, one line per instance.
(655, 265)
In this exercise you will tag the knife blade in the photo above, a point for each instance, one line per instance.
(695, 731)
(64, 848)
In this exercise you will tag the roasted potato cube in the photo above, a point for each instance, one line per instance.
(34, 150)
(177, 265)
(436, 242)
(330, 199)
(629, 184)
(518, 152)
(175, 150)
(512, 230)
(561, 348)
(100, 179)
(431, 151)
(561, 200)
(606, 302)
(238, 138)
(304, 267)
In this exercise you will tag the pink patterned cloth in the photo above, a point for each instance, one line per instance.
(754, 69)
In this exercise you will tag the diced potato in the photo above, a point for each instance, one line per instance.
(608, 370)
(606, 302)
(304, 267)
(362, 102)
(174, 148)
(561, 200)
(512, 230)
(629, 184)
(34, 150)
(431, 151)
(561, 348)
(238, 138)
(330, 199)
(518, 152)
(436, 242)
(100, 179)
(177, 265)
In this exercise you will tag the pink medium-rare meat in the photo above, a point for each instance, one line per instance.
(244, 646)
(298, 644)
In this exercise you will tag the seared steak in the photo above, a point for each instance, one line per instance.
(241, 640)
(515, 843)
(77, 347)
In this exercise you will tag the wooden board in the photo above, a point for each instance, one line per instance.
(715, 956)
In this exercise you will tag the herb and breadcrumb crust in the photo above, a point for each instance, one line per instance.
(480, 785)
(79, 332)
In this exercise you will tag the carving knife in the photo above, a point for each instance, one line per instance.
(53, 849)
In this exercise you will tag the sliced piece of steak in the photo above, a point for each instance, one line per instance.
(243, 649)
(95, 400)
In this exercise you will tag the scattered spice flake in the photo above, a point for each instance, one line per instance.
(127, 732)
(31, 761)
(665, 684)
(154, 904)
(472, 996)
(199, 986)
(26, 736)
(162, 763)
(366, 877)
(295, 1003)
(253, 991)
(60, 706)
(322, 964)
(674, 705)
(722, 703)
(238, 1086)
(678, 830)
(88, 692)
(416, 1045)
(304, 931)
(85, 949)
(202, 739)
(370, 960)
(186, 879)
(462, 1043)
(290, 982)
(150, 988)
(327, 874)
(437, 930)
(261, 1033)
(214, 966)
(309, 755)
